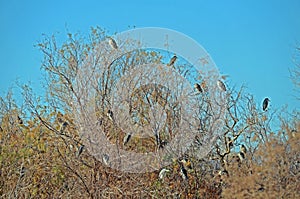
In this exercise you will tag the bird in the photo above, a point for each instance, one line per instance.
(113, 43)
(242, 153)
(243, 149)
(20, 121)
(172, 60)
(266, 103)
(221, 85)
(80, 150)
(63, 126)
(241, 156)
(70, 146)
(162, 174)
(60, 117)
(261, 188)
(183, 172)
(126, 138)
(110, 115)
(186, 163)
(293, 132)
(198, 87)
(105, 159)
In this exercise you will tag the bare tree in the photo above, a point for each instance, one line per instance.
(46, 154)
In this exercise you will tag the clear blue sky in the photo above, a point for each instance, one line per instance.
(252, 41)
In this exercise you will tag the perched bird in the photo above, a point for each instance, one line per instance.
(60, 117)
(266, 103)
(242, 153)
(113, 43)
(183, 172)
(261, 188)
(63, 127)
(186, 163)
(241, 156)
(126, 138)
(110, 115)
(172, 61)
(80, 150)
(105, 159)
(71, 146)
(20, 121)
(162, 174)
(221, 85)
(293, 132)
(198, 87)
(243, 149)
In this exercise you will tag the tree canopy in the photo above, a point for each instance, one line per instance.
(42, 154)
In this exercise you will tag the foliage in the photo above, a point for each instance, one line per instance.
(40, 144)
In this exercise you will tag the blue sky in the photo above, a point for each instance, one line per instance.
(252, 41)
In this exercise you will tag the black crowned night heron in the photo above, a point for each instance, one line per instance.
(113, 43)
(241, 156)
(20, 121)
(162, 174)
(172, 61)
(183, 172)
(63, 127)
(80, 150)
(110, 115)
(198, 87)
(105, 159)
(186, 163)
(261, 188)
(126, 138)
(243, 149)
(242, 152)
(266, 104)
(221, 85)
(293, 132)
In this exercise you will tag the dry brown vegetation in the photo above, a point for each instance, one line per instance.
(39, 155)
